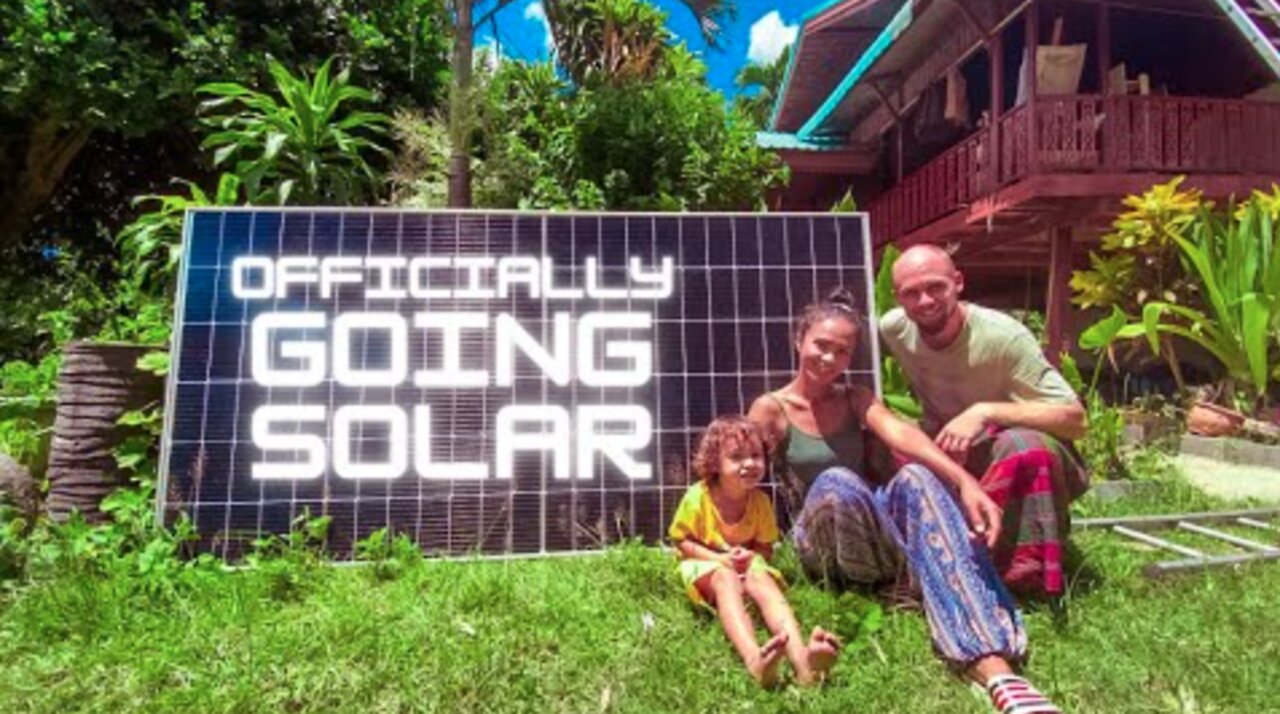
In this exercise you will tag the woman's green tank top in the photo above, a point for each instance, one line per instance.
(808, 455)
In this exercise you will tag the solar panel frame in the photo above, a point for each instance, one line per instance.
(804, 282)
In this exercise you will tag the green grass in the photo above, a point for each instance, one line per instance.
(568, 635)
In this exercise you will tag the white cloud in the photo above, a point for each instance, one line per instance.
(536, 12)
(769, 37)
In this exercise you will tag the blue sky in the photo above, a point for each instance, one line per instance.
(761, 30)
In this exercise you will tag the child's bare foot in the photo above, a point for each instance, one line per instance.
(824, 648)
(765, 667)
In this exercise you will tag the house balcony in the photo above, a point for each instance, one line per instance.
(1045, 156)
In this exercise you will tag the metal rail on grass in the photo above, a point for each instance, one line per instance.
(1135, 527)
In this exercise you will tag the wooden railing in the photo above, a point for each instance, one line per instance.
(945, 184)
(1086, 134)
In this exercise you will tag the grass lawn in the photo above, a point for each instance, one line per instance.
(609, 633)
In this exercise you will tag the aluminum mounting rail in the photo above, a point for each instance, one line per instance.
(1137, 528)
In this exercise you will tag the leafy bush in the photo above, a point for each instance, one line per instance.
(1176, 268)
(1102, 445)
(894, 387)
(388, 554)
(27, 398)
(665, 143)
(1232, 259)
(310, 147)
(97, 103)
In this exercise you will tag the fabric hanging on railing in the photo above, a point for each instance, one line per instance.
(929, 121)
(1058, 69)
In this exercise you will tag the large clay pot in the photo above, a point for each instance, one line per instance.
(97, 385)
(1205, 419)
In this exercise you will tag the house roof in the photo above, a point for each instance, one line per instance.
(834, 116)
(846, 43)
(832, 37)
(791, 142)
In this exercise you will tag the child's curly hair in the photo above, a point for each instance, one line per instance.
(723, 430)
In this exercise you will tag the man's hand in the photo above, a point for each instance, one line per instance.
(740, 558)
(959, 434)
(983, 514)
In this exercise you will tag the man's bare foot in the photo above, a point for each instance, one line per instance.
(824, 649)
(765, 667)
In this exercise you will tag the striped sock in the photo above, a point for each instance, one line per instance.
(1012, 694)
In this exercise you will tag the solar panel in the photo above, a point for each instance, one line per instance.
(497, 383)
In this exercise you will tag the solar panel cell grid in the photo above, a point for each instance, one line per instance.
(501, 383)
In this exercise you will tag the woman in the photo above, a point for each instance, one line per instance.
(849, 530)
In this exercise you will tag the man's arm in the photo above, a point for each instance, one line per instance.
(1065, 421)
(1039, 398)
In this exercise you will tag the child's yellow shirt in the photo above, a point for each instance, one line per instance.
(698, 518)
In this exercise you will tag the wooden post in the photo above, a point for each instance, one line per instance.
(1033, 126)
(1104, 46)
(1032, 19)
(897, 154)
(1058, 299)
(901, 139)
(995, 51)
(897, 127)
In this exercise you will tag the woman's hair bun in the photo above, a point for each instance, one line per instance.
(841, 297)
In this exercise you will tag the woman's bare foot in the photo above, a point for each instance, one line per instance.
(765, 666)
(824, 649)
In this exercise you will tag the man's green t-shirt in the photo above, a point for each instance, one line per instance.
(994, 359)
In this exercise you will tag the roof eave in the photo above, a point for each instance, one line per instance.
(900, 22)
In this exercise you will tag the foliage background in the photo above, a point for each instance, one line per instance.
(98, 105)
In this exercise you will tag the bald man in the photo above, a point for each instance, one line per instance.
(995, 404)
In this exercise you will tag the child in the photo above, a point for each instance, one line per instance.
(724, 531)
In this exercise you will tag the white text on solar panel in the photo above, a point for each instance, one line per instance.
(615, 432)
(449, 277)
(581, 349)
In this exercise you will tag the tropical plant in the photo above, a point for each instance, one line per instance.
(419, 175)
(1138, 261)
(758, 86)
(150, 247)
(97, 103)
(610, 41)
(895, 390)
(1233, 259)
(573, 35)
(1102, 445)
(114, 81)
(135, 306)
(689, 152)
(1177, 268)
(28, 395)
(311, 148)
(543, 142)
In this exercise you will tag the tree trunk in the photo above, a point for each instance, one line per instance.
(97, 385)
(460, 106)
(33, 166)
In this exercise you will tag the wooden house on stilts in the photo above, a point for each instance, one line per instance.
(1012, 129)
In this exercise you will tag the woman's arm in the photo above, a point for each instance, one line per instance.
(907, 439)
(766, 412)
